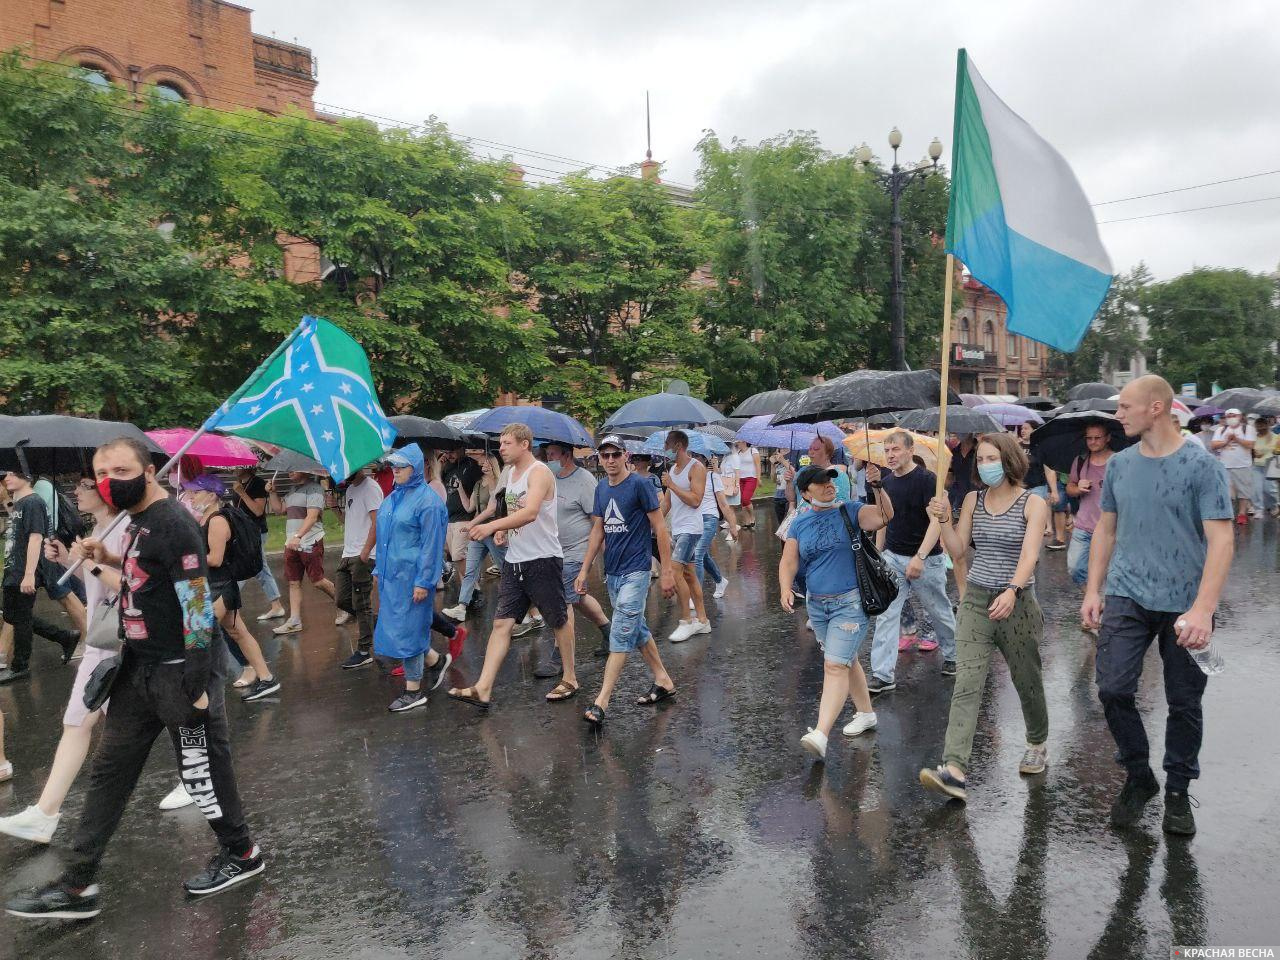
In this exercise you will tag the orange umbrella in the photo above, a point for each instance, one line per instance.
(869, 445)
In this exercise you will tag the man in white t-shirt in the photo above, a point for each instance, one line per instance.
(354, 580)
(1233, 441)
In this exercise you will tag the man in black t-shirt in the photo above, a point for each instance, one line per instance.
(909, 544)
(251, 498)
(460, 476)
(166, 618)
(24, 548)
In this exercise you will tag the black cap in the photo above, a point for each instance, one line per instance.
(612, 440)
(811, 475)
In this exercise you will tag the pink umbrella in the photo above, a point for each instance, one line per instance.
(214, 450)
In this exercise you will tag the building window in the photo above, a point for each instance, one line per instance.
(1033, 387)
(1011, 346)
(989, 337)
(1033, 349)
(96, 77)
(990, 386)
(170, 92)
(964, 329)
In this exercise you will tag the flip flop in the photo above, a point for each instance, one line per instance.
(594, 715)
(562, 691)
(468, 695)
(656, 694)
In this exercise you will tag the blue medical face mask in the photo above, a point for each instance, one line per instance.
(992, 474)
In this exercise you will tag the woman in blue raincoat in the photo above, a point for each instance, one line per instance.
(410, 558)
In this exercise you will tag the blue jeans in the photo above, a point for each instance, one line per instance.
(627, 593)
(1264, 497)
(476, 550)
(1078, 555)
(684, 546)
(930, 589)
(266, 579)
(413, 668)
(839, 624)
(702, 559)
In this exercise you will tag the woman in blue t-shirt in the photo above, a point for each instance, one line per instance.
(819, 541)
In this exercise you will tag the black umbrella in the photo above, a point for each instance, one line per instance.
(770, 401)
(960, 420)
(1038, 403)
(1243, 399)
(1268, 406)
(55, 444)
(883, 420)
(864, 393)
(1096, 405)
(287, 461)
(1092, 391)
(426, 433)
(1060, 442)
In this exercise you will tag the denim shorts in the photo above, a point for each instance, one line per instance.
(684, 547)
(839, 624)
(628, 592)
(571, 571)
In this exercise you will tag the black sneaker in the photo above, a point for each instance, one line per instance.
(941, 780)
(409, 700)
(435, 672)
(1177, 813)
(224, 870)
(55, 902)
(1137, 791)
(876, 685)
(361, 658)
(10, 675)
(948, 668)
(261, 688)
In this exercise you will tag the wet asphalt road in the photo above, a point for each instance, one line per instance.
(698, 829)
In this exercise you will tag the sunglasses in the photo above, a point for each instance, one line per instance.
(610, 454)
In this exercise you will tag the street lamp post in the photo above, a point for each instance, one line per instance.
(896, 180)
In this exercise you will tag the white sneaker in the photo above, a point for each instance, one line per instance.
(721, 587)
(861, 723)
(701, 626)
(31, 824)
(815, 742)
(177, 799)
(272, 616)
(289, 626)
(6, 771)
(457, 612)
(341, 618)
(683, 631)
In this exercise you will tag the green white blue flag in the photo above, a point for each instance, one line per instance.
(313, 395)
(1020, 221)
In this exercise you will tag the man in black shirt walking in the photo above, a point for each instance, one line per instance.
(910, 547)
(166, 619)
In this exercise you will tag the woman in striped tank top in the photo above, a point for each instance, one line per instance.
(1004, 522)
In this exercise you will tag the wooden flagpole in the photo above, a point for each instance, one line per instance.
(944, 452)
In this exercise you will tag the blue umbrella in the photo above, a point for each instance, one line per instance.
(759, 433)
(664, 410)
(701, 443)
(547, 425)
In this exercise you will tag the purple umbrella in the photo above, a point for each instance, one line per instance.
(758, 432)
(972, 400)
(1208, 411)
(1009, 414)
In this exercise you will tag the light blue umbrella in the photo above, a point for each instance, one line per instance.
(759, 433)
(663, 410)
(548, 426)
(700, 443)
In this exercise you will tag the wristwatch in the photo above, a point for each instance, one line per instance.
(1017, 590)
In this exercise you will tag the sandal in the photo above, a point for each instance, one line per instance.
(656, 694)
(594, 715)
(564, 690)
(242, 683)
(469, 695)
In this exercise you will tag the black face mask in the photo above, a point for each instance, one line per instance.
(123, 494)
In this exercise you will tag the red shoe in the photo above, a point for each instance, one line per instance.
(397, 670)
(907, 641)
(456, 641)
(1242, 520)
(928, 645)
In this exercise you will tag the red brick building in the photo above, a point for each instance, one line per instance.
(202, 51)
(985, 357)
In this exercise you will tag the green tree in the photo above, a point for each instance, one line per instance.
(1115, 334)
(1214, 325)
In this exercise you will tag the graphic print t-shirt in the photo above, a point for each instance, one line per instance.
(460, 478)
(165, 583)
(26, 516)
(624, 511)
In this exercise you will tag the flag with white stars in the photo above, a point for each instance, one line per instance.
(314, 396)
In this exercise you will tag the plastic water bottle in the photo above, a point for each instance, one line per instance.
(1209, 660)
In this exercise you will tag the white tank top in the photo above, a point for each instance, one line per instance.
(684, 518)
(538, 539)
(714, 483)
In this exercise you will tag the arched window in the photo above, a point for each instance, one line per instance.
(166, 90)
(964, 329)
(989, 337)
(95, 76)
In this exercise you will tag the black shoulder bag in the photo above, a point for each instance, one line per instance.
(877, 584)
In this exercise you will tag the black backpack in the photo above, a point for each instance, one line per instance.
(242, 559)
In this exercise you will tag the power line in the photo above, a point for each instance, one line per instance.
(1170, 213)
(1194, 186)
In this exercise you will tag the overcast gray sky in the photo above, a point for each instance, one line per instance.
(1139, 95)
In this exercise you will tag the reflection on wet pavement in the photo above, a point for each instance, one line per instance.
(696, 829)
